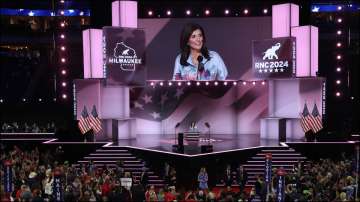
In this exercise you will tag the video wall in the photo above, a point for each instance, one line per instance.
(230, 37)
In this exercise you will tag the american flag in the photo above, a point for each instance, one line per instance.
(306, 120)
(316, 120)
(84, 122)
(94, 120)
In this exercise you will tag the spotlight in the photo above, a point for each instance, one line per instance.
(338, 57)
(338, 81)
(338, 44)
(150, 13)
(62, 12)
(339, 8)
(207, 83)
(40, 99)
(246, 11)
(64, 96)
(215, 83)
(168, 12)
(338, 94)
(54, 99)
(1, 100)
(226, 11)
(170, 84)
(265, 11)
(63, 48)
(62, 36)
(244, 83)
(188, 83)
(62, 24)
(24, 100)
(234, 83)
(188, 12)
(62, 1)
(63, 60)
(253, 83)
(352, 97)
(161, 83)
(339, 32)
(338, 69)
(179, 83)
(63, 84)
(63, 72)
(198, 83)
(152, 84)
(339, 20)
(225, 83)
(263, 83)
(207, 12)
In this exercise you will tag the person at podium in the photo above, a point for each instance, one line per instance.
(196, 62)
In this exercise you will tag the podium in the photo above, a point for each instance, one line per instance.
(192, 137)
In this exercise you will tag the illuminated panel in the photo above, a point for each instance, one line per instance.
(124, 14)
(284, 16)
(92, 56)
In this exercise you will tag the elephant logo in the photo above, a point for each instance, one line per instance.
(271, 52)
(123, 50)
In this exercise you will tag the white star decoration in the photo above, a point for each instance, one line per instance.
(147, 99)
(179, 92)
(265, 70)
(271, 70)
(281, 70)
(276, 70)
(138, 105)
(260, 70)
(155, 115)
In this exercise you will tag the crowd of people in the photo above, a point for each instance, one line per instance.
(24, 127)
(33, 180)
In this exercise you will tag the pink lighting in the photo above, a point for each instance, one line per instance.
(338, 44)
(62, 1)
(207, 83)
(338, 57)
(188, 12)
(124, 13)
(227, 12)
(161, 83)
(207, 12)
(339, 32)
(63, 48)
(63, 60)
(63, 84)
(198, 83)
(244, 83)
(150, 13)
(216, 83)
(339, 20)
(62, 24)
(64, 96)
(225, 83)
(338, 69)
(188, 83)
(168, 12)
(263, 83)
(246, 11)
(62, 36)
(179, 83)
(170, 84)
(62, 12)
(253, 83)
(338, 81)
(152, 84)
(338, 94)
(63, 72)
(265, 11)
(234, 83)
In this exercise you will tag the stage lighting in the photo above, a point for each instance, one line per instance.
(207, 83)
(215, 83)
(188, 83)
(338, 57)
(198, 83)
(207, 12)
(62, 36)
(170, 84)
(338, 82)
(179, 83)
(339, 20)
(62, 24)
(225, 83)
(62, 1)
(63, 60)
(265, 11)
(227, 12)
(150, 13)
(234, 83)
(24, 100)
(253, 83)
(244, 83)
(161, 83)
(246, 11)
(1, 100)
(188, 12)
(339, 32)
(152, 84)
(338, 94)
(168, 12)
(338, 69)
(63, 84)
(64, 96)
(63, 48)
(62, 12)
(40, 99)
(339, 8)
(338, 44)
(63, 72)
(263, 83)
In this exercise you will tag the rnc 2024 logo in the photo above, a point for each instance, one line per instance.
(125, 56)
(271, 66)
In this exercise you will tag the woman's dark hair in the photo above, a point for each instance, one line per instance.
(184, 38)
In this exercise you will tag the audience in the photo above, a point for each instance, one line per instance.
(25, 127)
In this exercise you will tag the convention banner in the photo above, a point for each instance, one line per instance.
(57, 188)
(280, 192)
(8, 176)
(124, 56)
(274, 58)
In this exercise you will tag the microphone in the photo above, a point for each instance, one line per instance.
(200, 65)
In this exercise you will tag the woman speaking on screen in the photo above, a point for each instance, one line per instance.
(196, 62)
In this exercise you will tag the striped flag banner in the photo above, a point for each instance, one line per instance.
(316, 120)
(84, 122)
(306, 120)
(95, 122)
